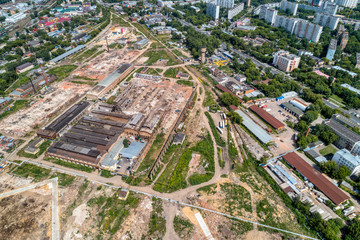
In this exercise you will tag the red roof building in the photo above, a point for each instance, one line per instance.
(267, 117)
(315, 177)
(60, 20)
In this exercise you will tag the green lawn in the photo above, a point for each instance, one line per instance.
(62, 72)
(106, 174)
(185, 83)
(337, 99)
(85, 55)
(28, 170)
(171, 72)
(178, 53)
(328, 150)
(154, 56)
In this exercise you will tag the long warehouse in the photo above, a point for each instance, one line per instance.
(267, 117)
(315, 177)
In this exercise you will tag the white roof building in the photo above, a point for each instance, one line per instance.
(344, 158)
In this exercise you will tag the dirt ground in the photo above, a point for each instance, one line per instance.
(42, 109)
(26, 215)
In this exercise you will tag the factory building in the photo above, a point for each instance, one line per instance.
(110, 81)
(344, 158)
(292, 109)
(67, 54)
(331, 50)
(336, 195)
(24, 67)
(327, 20)
(347, 138)
(272, 121)
(299, 104)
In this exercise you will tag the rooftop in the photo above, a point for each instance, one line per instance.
(68, 53)
(322, 183)
(133, 150)
(344, 131)
(267, 117)
(355, 160)
(292, 108)
(260, 133)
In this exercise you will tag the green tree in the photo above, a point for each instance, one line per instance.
(302, 126)
(228, 99)
(310, 116)
(235, 117)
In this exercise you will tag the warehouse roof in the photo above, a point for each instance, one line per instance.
(267, 117)
(133, 150)
(292, 108)
(68, 53)
(260, 133)
(23, 66)
(115, 75)
(322, 183)
(343, 131)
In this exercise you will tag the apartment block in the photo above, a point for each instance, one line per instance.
(347, 3)
(286, 62)
(235, 10)
(344, 158)
(213, 10)
(327, 20)
(291, 6)
(331, 50)
(285, 22)
(308, 30)
(344, 40)
(269, 14)
(225, 3)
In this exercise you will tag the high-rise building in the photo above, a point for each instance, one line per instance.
(357, 60)
(286, 62)
(213, 10)
(347, 3)
(235, 10)
(291, 6)
(327, 20)
(269, 14)
(225, 3)
(308, 30)
(331, 50)
(287, 23)
(248, 3)
(344, 40)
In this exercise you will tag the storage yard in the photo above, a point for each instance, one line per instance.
(42, 109)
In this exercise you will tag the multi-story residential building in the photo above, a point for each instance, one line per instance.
(287, 23)
(344, 40)
(327, 8)
(357, 60)
(286, 62)
(308, 30)
(327, 20)
(316, 3)
(344, 158)
(213, 10)
(331, 50)
(347, 3)
(235, 10)
(225, 3)
(269, 14)
(291, 6)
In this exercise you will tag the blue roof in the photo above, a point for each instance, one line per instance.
(290, 178)
(260, 133)
(133, 150)
(5, 99)
(17, 93)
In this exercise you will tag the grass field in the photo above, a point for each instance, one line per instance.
(84, 55)
(28, 170)
(185, 83)
(328, 150)
(171, 72)
(154, 56)
(337, 99)
(62, 72)
(178, 53)
(70, 165)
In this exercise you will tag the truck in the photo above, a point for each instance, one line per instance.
(220, 131)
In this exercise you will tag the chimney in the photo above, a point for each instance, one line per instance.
(44, 75)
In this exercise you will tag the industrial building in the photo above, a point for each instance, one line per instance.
(344, 120)
(33, 147)
(336, 195)
(4, 101)
(272, 121)
(292, 110)
(347, 138)
(343, 157)
(32, 86)
(299, 104)
(141, 44)
(331, 50)
(327, 20)
(255, 129)
(24, 67)
(64, 120)
(67, 54)
(110, 81)
(285, 61)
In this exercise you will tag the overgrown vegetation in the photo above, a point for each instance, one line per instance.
(216, 134)
(29, 170)
(63, 71)
(157, 224)
(183, 227)
(70, 165)
(42, 148)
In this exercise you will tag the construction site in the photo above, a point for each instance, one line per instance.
(41, 110)
(147, 105)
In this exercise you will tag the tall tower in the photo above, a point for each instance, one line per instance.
(203, 51)
(248, 3)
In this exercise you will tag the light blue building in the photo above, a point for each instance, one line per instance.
(331, 50)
